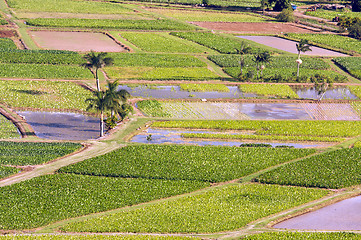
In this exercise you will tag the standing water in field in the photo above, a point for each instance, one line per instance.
(332, 93)
(62, 126)
(344, 215)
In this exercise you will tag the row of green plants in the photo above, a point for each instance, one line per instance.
(275, 90)
(303, 235)
(162, 42)
(336, 169)
(350, 64)
(261, 137)
(46, 199)
(272, 127)
(176, 162)
(93, 237)
(216, 210)
(7, 44)
(7, 129)
(152, 108)
(6, 171)
(44, 95)
(162, 24)
(331, 14)
(32, 153)
(192, 87)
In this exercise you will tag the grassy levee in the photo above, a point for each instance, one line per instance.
(94, 237)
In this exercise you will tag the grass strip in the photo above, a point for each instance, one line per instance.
(275, 90)
(204, 87)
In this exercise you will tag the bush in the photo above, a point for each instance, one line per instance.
(355, 30)
(286, 16)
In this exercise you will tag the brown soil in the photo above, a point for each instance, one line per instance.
(7, 33)
(266, 28)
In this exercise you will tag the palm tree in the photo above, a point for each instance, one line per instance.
(96, 61)
(257, 59)
(99, 103)
(114, 97)
(302, 46)
(264, 57)
(243, 48)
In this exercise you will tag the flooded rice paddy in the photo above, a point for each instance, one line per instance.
(175, 92)
(167, 136)
(290, 46)
(344, 215)
(62, 126)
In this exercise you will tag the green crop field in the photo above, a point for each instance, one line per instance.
(208, 16)
(161, 73)
(337, 169)
(282, 91)
(273, 127)
(204, 87)
(7, 44)
(44, 95)
(155, 60)
(163, 24)
(94, 237)
(7, 171)
(62, 196)
(29, 153)
(7, 129)
(203, 213)
(331, 40)
(209, 164)
(350, 64)
(330, 14)
(304, 235)
(162, 42)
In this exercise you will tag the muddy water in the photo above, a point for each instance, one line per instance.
(333, 93)
(175, 92)
(344, 215)
(290, 46)
(62, 126)
(160, 136)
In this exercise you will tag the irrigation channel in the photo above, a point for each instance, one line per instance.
(175, 92)
(61, 125)
(160, 136)
(290, 46)
(341, 216)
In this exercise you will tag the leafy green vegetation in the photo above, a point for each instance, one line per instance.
(161, 73)
(152, 108)
(330, 14)
(304, 235)
(272, 127)
(40, 71)
(337, 169)
(209, 164)
(350, 64)
(7, 129)
(163, 24)
(277, 90)
(7, 44)
(31, 153)
(333, 41)
(214, 41)
(206, 212)
(356, 90)
(64, 196)
(162, 42)
(44, 95)
(155, 60)
(94, 237)
(204, 87)
(7, 171)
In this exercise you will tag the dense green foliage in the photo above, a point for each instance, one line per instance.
(152, 108)
(330, 14)
(276, 90)
(217, 42)
(163, 24)
(337, 169)
(155, 60)
(7, 44)
(206, 212)
(53, 57)
(273, 127)
(350, 64)
(220, 3)
(7, 171)
(356, 90)
(331, 40)
(44, 95)
(303, 235)
(62, 196)
(162, 42)
(31, 153)
(93, 237)
(204, 87)
(7, 129)
(211, 164)
(40, 71)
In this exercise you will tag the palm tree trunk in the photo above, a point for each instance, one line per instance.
(101, 124)
(97, 80)
(298, 69)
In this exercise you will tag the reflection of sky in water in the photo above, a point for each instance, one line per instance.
(62, 126)
(174, 92)
(160, 136)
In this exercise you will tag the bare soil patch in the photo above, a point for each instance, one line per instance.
(7, 33)
(76, 41)
(268, 27)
